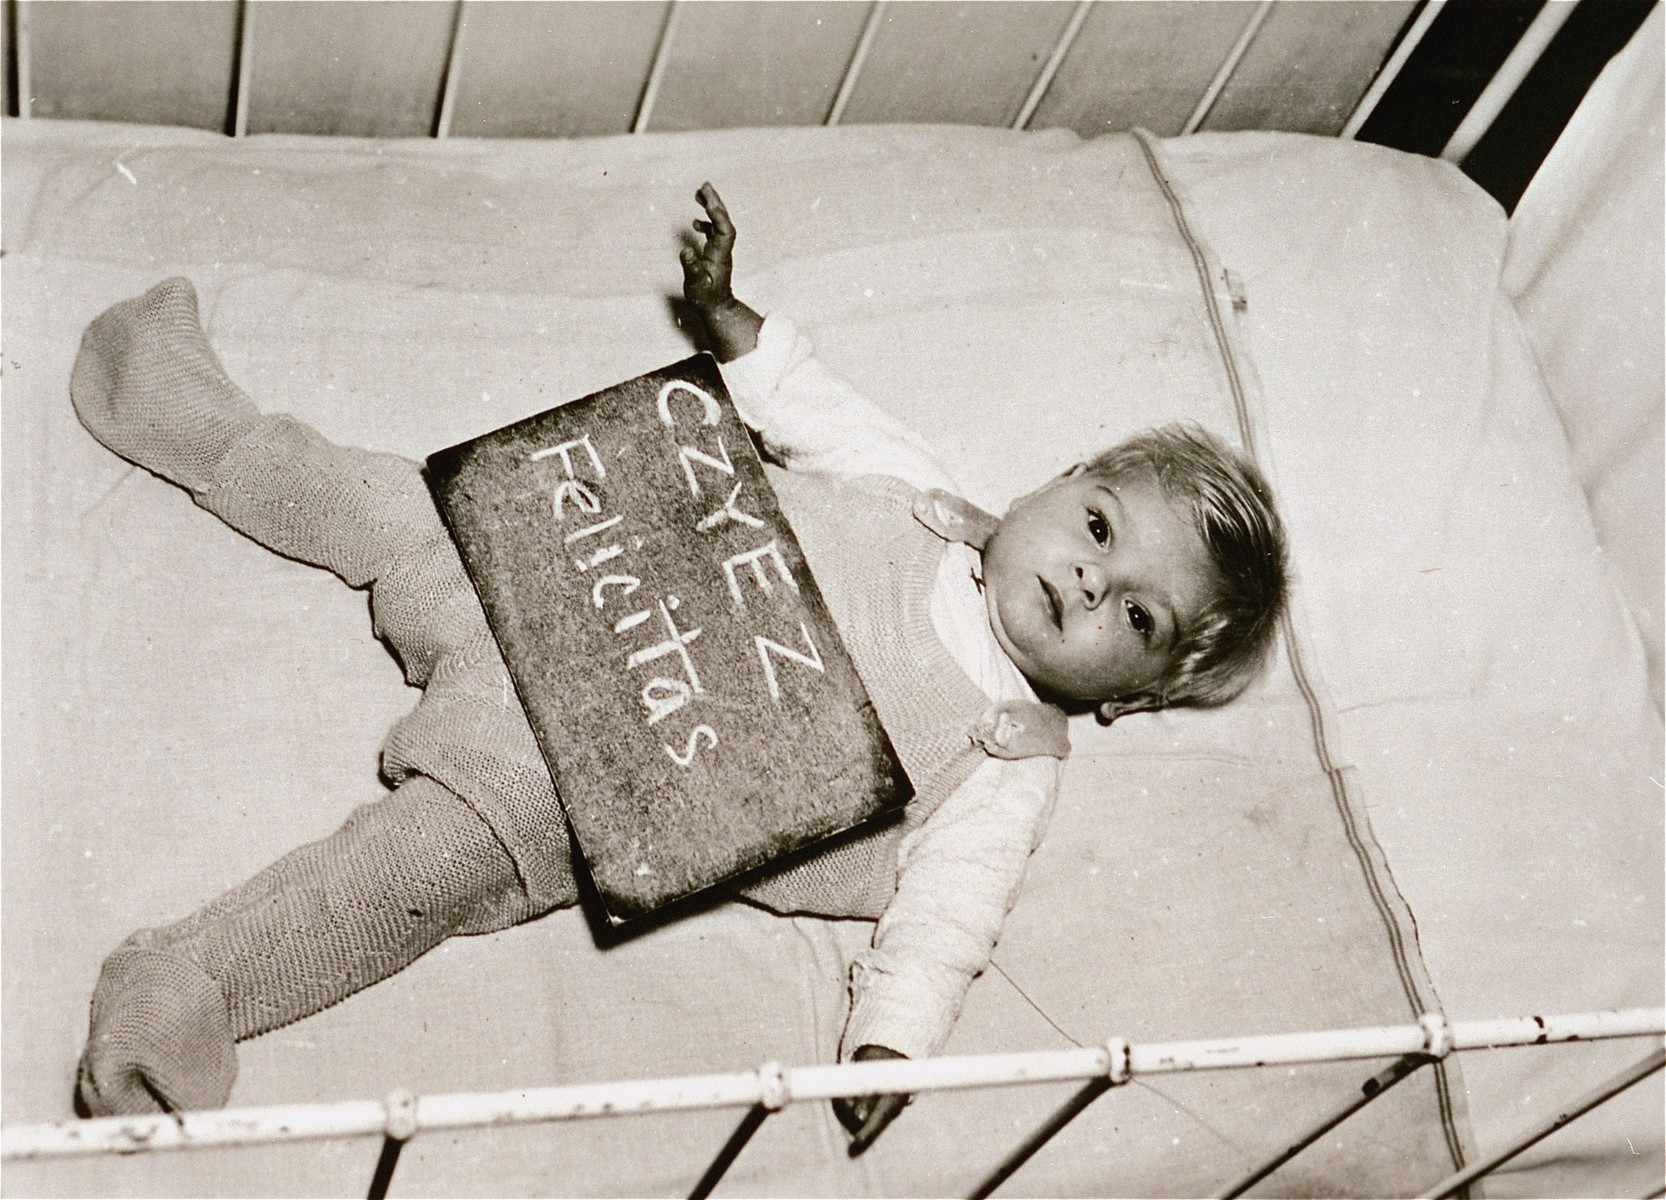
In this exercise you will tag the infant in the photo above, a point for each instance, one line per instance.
(1147, 577)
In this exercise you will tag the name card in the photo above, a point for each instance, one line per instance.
(690, 693)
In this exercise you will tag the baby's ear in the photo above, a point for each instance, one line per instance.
(1125, 706)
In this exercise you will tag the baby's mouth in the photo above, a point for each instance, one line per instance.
(1055, 603)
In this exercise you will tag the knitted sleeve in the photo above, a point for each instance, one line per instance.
(960, 872)
(812, 420)
(958, 876)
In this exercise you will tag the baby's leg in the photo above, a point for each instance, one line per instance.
(402, 874)
(319, 924)
(148, 385)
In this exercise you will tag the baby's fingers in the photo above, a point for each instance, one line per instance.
(853, 1111)
(720, 226)
(885, 1110)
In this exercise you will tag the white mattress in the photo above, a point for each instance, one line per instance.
(1471, 705)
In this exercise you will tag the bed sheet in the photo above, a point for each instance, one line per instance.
(182, 706)
(1587, 268)
(1500, 730)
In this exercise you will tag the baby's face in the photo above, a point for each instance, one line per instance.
(1088, 581)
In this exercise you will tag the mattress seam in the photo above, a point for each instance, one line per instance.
(1414, 978)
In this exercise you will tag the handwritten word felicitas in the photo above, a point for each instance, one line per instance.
(654, 646)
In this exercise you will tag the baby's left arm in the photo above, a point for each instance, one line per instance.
(959, 875)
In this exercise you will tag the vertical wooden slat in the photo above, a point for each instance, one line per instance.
(245, 64)
(1507, 79)
(1139, 62)
(1391, 69)
(556, 69)
(8, 44)
(20, 51)
(858, 59)
(368, 69)
(740, 63)
(1309, 65)
(25, 60)
(453, 70)
(164, 62)
(656, 69)
(1229, 64)
(960, 63)
(1054, 61)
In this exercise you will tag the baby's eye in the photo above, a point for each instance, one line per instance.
(1138, 619)
(1099, 527)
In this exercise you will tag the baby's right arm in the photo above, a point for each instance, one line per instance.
(808, 417)
(731, 327)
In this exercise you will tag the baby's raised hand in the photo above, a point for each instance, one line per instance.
(732, 326)
(706, 269)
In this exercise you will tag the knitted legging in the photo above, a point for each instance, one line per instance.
(405, 872)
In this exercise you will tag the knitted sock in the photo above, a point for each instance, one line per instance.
(148, 385)
(160, 1038)
(316, 926)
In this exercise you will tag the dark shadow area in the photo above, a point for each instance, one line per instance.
(1451, 65)
(1504, 160)
(1460, 53)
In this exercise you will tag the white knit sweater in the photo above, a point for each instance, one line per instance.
(959, 873)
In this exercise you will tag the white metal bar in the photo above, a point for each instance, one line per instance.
(453, 69)
(21, 48)
(771, 1086)
(858, 59)
(1049, 69)
(245, 67)
(1228, 65)
(1390, 70)
(947, 1074)
(1528, 49)
(656, 71)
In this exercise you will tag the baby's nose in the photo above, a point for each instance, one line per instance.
(1090, 577)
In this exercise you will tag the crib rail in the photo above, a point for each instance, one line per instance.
(1385, 71)
(770, 1088)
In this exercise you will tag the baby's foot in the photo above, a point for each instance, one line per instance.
(160, 1039)
(148, 385)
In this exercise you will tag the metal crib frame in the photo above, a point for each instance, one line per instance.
(772, 1087)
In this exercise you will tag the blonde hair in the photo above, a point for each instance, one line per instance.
(1222, 647)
